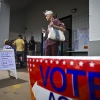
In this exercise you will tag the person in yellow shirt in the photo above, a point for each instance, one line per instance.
(19, 43)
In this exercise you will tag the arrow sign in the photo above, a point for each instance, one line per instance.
(44, 94)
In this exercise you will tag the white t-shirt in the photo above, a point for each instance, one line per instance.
(7, 47)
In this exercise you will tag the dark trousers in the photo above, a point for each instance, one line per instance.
(52, 50)
(25, 55)
(19, 55)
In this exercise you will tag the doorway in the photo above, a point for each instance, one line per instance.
(67, 44)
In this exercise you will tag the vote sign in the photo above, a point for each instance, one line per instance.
(66, 78)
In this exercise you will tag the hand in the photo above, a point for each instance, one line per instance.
(52, 24)
(43, 31)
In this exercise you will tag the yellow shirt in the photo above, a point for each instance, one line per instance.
(19, 43)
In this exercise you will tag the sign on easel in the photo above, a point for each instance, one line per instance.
(7, 61)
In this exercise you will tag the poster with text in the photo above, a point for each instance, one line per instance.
(64, 78)
(7, 59)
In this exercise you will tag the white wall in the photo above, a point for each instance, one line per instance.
(94, 20)
(4, 22)
(94, 28)
(0, 8)
(17, 24)
(35, 18)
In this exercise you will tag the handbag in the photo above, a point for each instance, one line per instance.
(56, 34)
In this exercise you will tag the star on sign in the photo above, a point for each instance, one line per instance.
(92, 64)
(81, 63)
(33, 65)
(72, 63)
(46, 61)
(51, 61)
(33, 60)
(30, 69)
(64, 62)
(37, 60)
(41, 60)
(57, 62)
(30, 64)
(30, 59)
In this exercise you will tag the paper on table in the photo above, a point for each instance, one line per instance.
(86, 39)
(75, 35)
(76, 45)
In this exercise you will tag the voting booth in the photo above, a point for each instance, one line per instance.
(7, 61)
(64, 78)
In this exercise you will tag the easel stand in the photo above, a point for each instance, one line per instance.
(7, 61)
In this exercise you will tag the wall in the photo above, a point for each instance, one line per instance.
(0, 8)
(94, 28)
(17, 24)
(35, 18)
(4, 22)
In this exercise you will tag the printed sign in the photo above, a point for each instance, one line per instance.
(7, 60)
(66, 78)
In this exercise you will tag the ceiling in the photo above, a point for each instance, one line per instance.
(19, 4)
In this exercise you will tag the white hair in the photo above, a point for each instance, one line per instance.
(48, 12)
